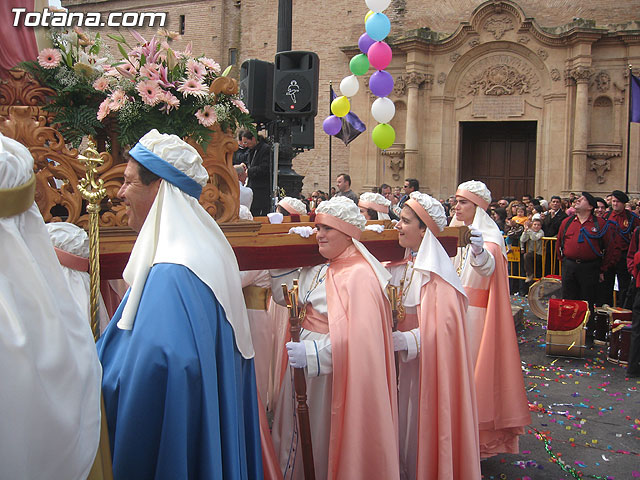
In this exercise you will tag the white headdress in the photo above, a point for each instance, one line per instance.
(293, 205)
(175, 228)
(245, 213)
(376, 202)
(50, 397)
(344, 215)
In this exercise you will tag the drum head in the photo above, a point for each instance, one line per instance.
(541, 292)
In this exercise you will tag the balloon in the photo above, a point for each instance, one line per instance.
(379, 55)
(359, 65)
(364, 42)
(383, 136)
(381, 83)
(377, 5)
(378, 26)
(332, 125)
(369, 13)
(383, 110)
(340, 106)
(349, 86)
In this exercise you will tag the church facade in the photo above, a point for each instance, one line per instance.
(528, 97)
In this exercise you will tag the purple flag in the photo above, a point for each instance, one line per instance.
(634, 114)
(352, 126)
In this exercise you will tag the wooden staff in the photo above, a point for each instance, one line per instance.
(93, 191)
(300, 383)
(392, 292)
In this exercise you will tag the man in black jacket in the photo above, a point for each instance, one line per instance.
(259, 173)
(553, 217)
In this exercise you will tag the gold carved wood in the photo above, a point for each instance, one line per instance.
(20, 89)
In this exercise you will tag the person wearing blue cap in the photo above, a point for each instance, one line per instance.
(179, 381)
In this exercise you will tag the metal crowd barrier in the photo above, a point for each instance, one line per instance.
(549, 265)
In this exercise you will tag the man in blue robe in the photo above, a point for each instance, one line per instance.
(179, 381)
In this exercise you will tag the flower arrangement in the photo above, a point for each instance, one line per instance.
(155, 86)
(70, 68)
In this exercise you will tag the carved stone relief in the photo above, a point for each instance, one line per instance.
(396, 160)
(474, 43)
(499, 75)
(555, 74)
(542, 53)
(499, 25)
(602, 81)
(601, 155)
(600, 166)
(442, 77)
(454, 57)
(523, 39)
(581, 74)
(399, 86)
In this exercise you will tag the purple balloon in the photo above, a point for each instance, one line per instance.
(381, 83)
(364, 42)
(332, 125)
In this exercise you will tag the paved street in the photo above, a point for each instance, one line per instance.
(586, 409)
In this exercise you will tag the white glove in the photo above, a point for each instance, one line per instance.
(477, 242)
(375, 228)
(297, 354)
(304, 232)
(399, 341)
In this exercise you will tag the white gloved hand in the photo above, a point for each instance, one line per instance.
(375, 228)
(304, 231)
(297, 354)
(399, 341)
(477, 242)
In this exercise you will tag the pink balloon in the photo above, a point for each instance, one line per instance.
(379, 55)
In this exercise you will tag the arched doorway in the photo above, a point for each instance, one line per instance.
(500, 154)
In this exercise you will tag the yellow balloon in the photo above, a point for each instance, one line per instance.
(366, 17)
(340, 106)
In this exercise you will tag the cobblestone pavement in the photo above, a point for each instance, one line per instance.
(585, 415)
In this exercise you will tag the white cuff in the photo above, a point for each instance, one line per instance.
(313, 358)
(413, 345)
(480, 259)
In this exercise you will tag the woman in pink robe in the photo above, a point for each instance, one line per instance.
(503, 409)
(353, 351)
(437, 404)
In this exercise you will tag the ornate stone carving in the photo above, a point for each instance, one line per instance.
(442, 77)
(474, 43)
(499, 25)
(602, 81)
(600, 166)
(523, 39)
(555, 74)
(581, 74)
(454, 57)
(500, 74)
(399, 86)
(396, 159)
(542, 53)
(415, 79)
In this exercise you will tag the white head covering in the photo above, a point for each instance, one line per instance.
(70, 238)
(376, 202)
(478, 193)
(245, 213)
(175, 231)
(49, 368)
(293, 205)
(431, 255)
(344, 215)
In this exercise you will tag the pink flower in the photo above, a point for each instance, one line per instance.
(206, 116)
(101, 83)
(104, 109)
(127, 70)
(191, 86)
(49, 58)
(196, 70)
(150, 70)
(240, 104)
(118, 99)
(149, 91)
(210, 64)
(170, 102)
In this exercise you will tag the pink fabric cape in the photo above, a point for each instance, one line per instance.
(503, 409)
(364, 410)
(448, 446)
(270, 464)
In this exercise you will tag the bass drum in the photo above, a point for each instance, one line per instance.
(541, 292)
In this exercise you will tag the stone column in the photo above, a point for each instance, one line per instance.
(580, 128)
(414, 81)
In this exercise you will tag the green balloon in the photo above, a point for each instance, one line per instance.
(359, 65)
(383, 136)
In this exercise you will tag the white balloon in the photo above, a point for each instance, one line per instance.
(383, 110)
(349, 86)
(377, 6)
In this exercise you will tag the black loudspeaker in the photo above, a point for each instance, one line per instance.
(256, 89)
(295, 84)
(303, 132)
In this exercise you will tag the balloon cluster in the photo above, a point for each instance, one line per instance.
(377, 54)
